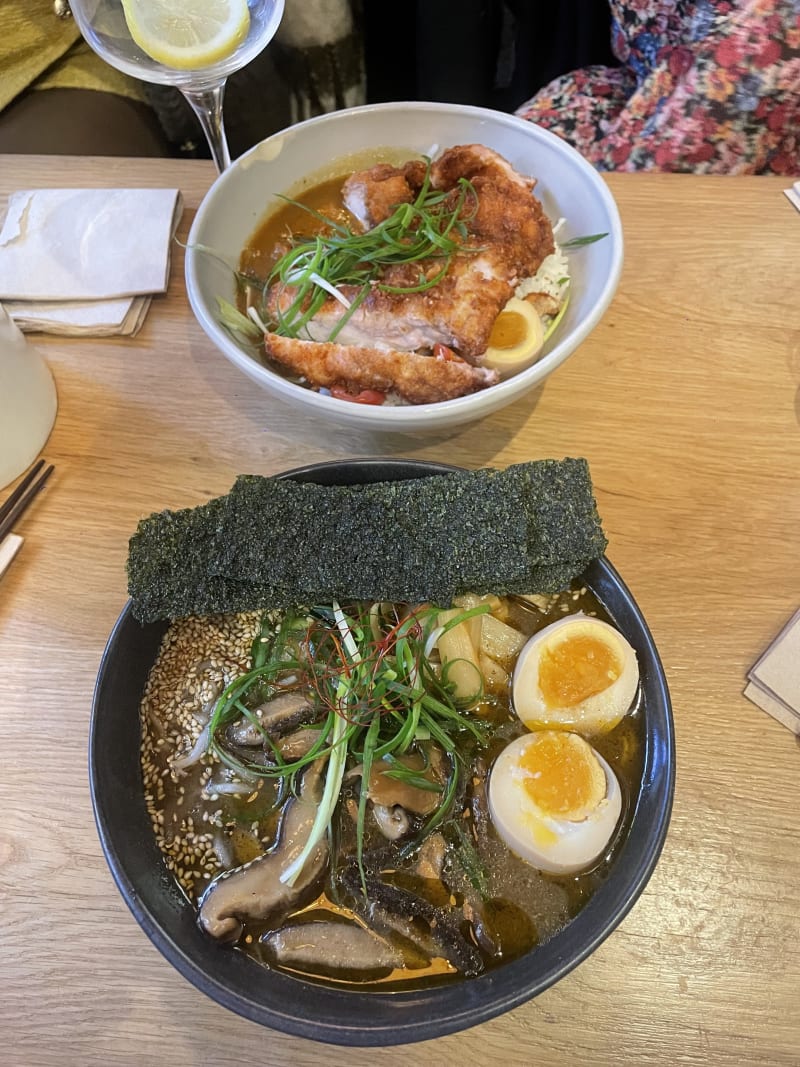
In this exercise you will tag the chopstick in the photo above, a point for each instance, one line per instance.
(22, 496)
(18, 492)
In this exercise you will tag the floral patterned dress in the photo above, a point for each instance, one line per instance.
(709, 86)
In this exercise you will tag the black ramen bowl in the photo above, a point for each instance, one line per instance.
(306, 1008)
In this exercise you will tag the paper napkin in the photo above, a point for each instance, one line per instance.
(774, 680)
(99, 318)
(86, 260)
(794, 194)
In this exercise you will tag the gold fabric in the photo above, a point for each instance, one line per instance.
(39, 50)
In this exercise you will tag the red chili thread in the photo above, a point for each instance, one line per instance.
(372, 659)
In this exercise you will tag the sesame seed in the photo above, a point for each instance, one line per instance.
(197, 659)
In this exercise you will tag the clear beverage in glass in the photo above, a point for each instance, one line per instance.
(104, 26)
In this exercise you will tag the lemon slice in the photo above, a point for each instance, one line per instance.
(190, 34)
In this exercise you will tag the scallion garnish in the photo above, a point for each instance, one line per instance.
(378, 693)
(578, 242)
(433, 227)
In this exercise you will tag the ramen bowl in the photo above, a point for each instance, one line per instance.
(303, 155)
(349, 1016)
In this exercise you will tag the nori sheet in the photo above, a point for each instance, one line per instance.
(420, 539)
(168, 575)
(274, 543)
(564, 527)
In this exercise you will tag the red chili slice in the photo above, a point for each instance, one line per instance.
(366, 396)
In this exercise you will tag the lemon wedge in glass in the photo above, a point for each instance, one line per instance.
(190, 34)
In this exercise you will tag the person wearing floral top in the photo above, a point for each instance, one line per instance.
(708, 86)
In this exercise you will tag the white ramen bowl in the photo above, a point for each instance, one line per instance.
(305, 154)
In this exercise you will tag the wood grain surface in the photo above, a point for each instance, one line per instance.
(685, 400)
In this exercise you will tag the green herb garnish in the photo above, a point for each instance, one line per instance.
(376, 697)
(578, 242)
(473, 865)
(238, 324)
(432, 227)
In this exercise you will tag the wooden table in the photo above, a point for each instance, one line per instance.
(685, 401)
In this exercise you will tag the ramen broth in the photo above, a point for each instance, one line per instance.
(203, 831)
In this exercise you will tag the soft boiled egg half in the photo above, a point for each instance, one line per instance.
(576, 674)
(516, 339)
(554, 800)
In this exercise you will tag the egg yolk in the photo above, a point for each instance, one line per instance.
(575, 669)
(510, 329)
(563, 777)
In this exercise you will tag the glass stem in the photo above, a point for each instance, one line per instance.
(207, 105)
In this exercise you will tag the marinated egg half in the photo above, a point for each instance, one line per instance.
(554, 800)
(577, 674)
(516, 338)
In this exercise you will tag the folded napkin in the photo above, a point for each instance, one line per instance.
(794, 194)
(100, 318)
(86, 260)
(774, 680)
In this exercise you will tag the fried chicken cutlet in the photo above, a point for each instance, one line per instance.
(416, 379)
(507, 238)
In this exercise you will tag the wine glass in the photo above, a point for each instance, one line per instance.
(105, 27)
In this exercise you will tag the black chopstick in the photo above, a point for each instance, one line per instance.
(8, 505)
(22, 497)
